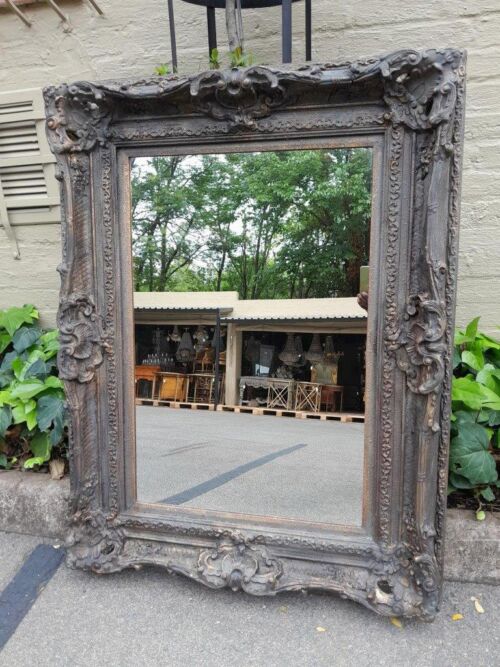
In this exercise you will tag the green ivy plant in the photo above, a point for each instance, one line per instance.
(32, 406)
(475, 429)
(214, 60)
(162, 70)
(238, 58)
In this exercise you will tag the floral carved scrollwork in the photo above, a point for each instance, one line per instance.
(80, 117)
(420, 344)
(240, 565)
(238, 95)
(82, 340)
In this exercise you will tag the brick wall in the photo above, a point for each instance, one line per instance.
(133, 37)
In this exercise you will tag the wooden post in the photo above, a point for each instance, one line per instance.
(234, 25)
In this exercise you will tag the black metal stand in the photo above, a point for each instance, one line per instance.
(286, 24)
(217, 361)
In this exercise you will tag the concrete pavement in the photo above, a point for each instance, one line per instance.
(150, 619)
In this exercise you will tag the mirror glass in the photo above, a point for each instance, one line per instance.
(250, 275)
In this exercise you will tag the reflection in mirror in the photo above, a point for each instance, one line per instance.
(250, 297)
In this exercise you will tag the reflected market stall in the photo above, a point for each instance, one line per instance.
(282, 356)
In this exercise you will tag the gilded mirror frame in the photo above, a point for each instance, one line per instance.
(410, 106)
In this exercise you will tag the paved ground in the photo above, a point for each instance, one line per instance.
(150, 619)
(252, 464)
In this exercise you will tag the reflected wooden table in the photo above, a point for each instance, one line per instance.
(147, 373)
(173, 386)
(332, 395)
(180, 387)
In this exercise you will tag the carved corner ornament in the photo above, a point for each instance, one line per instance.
(420, 86)
(94, 542)
(82, 340)
(79, 117)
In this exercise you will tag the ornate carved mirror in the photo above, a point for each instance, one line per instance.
(256, 320)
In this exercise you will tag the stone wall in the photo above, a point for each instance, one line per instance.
(132, 38)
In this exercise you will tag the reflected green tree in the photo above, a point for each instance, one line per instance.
(269, 225)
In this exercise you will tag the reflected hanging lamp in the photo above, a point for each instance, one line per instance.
(299, 349)
(289, 354)
(175, 335)
(330, 354)
(315, 352)
(185, 352)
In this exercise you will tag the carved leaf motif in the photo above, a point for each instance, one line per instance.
(421, 346)
(81, 339)
(238, 95)
(240, 566)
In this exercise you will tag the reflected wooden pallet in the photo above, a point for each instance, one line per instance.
(174, 404)
(343, 417)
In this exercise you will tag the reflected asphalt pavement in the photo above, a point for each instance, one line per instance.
(277, 466)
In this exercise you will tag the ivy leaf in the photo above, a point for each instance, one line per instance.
(459, 482)
(49, 343)
(5, 419)
(29, 388)
(467, 391)
(34, 461)
(6, 398)
(487, 343)
(51, 412)
(12, 318)
(473, 394)
(474, 359)
(6, 364)
(37, 369)
(31, 420)
(470, 333)
(18, 367)
(471, 330)
(40, 446)
(19, 413)
(469, 455)
(25, 337)
(462, 416)
(488, 494)
(24, 413)
(5, 340)
(53, 382)
(489, 376)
